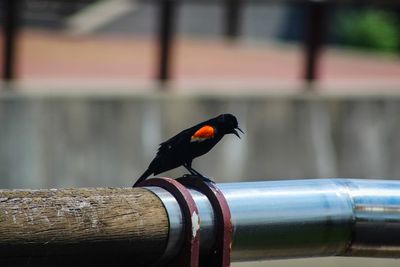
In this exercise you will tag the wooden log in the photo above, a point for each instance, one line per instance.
(81, 227)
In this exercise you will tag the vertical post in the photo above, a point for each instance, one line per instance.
(232, 18)
(315, 28)
(166, 32)
(10, 24)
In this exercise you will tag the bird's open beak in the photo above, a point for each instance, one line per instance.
(236, 133)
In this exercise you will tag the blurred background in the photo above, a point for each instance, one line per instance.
(90, 88)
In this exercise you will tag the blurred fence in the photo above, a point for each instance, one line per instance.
(314, 32)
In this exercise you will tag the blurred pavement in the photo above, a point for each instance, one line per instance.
(54, 56)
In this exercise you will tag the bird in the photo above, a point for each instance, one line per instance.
(181, 149)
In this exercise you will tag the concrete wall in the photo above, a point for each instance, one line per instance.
(108, 140)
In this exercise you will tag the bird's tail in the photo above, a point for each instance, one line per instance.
(146, 174)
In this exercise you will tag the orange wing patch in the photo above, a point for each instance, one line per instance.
(204, 133)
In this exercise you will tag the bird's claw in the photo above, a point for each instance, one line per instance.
(205, 179)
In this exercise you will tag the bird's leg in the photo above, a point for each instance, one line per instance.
(196, 172)
(192, 171)
(188, 167)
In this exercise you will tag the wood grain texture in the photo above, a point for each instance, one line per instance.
(81, 227)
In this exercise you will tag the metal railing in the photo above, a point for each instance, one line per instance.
(271, 220)
(314, 32)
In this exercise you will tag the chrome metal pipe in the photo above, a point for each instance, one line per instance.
(305, 218)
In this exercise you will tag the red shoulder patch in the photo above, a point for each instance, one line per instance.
(204, 133)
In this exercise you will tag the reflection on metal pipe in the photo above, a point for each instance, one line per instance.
(288, 219)
(306, 218)
(376, 230)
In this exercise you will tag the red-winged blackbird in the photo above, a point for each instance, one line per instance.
(189, 144)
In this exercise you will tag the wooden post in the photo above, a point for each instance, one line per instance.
(10, 25)
(316, 27)
(233, 10)
(81, 227)
(166, 35)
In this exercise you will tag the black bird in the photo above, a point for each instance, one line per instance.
(191, 143)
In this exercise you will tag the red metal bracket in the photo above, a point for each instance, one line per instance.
(189, 254)
(220, 254)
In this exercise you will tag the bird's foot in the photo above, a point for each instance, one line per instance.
(205, 179)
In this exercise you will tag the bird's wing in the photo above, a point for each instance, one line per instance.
(185, 137)
(173, 142)
(197, 133)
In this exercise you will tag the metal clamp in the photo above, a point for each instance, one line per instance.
(220, 253)
(189, 254)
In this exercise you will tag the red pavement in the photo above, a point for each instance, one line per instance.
(52, 56)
